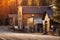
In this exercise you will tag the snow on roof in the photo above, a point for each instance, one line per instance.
(13, 15)
(37, 9)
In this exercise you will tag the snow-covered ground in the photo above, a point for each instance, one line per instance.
(8, 35)
(26, 36)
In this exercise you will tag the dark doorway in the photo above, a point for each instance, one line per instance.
(7, 21)
(45, 30)
(40, 28)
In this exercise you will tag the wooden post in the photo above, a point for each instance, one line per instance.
(48, 26)
(13, 22)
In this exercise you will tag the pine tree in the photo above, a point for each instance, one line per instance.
(58, 5)
(56, 17)
(36, 2)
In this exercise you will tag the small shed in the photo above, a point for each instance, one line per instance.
(46, 24)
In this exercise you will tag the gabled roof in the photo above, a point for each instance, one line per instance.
(37, 9)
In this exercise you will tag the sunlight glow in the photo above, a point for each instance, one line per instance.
(29, 2)
(11, 1)
(19, 2)
(37, 2)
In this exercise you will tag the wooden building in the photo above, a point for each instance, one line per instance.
(32, 17)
